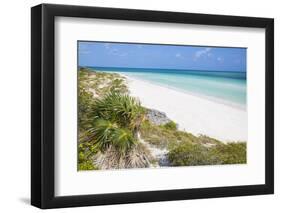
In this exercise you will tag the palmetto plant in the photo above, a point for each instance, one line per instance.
(106, 134)
(116, 119)
(121, 109)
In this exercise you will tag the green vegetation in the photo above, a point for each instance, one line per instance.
(110, 125)
(85, 156)
(186, 149)
(188, 154)
(231, 153)
(114, 131)
(171, 125)
(92, 86)
(165, 136)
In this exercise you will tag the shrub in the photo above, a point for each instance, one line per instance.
(203, 139)
(156, 135)
(231, 153)
(188, 154)
(86, 165)
(85, 154)
(170, 125)
(161, 136)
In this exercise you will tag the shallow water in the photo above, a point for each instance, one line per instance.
(225, 86)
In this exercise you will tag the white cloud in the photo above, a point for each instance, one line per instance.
(107, 45)
(203, 52)
(116, 52)
(220, 59)
(178, 55)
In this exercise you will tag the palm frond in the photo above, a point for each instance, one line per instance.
(120, 108)
(102, 133)
(105, 133)
(123, 139)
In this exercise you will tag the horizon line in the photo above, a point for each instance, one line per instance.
(162, 69)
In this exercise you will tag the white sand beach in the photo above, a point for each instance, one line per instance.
(197, 115)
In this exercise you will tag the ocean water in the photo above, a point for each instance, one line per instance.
(229, 87)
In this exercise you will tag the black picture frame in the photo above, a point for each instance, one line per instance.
(43, 102)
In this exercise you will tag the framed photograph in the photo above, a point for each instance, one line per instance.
(139, 106)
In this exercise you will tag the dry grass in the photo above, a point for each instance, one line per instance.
(137, 157)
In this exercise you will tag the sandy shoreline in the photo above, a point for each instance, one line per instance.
(194, 114)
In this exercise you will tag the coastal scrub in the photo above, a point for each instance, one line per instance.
(116, 131)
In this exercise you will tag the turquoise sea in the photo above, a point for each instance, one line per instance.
(222, 85)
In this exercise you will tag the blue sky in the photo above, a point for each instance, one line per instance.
(133, 55)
